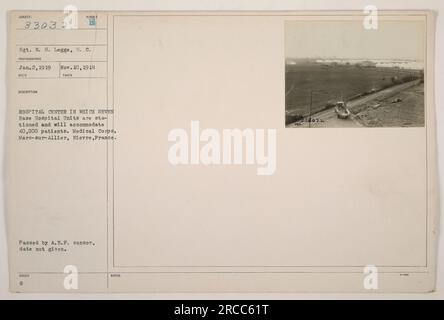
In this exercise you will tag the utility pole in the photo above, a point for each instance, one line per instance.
(309, 110)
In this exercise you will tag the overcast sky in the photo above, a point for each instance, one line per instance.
(404, 39)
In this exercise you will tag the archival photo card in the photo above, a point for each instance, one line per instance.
(344, 74)
(146, 152)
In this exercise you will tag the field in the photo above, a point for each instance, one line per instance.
(389, 113)
(329, 83)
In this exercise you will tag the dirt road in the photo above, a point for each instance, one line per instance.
(328, 118)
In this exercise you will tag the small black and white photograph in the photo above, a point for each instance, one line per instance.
(339, 74)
